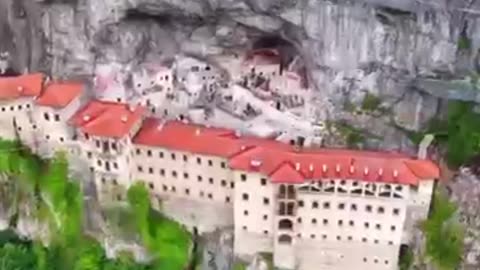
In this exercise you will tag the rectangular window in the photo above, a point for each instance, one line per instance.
(150, 170)
(46, 116)
(185, 175)
(210, 180)
(187, 191)
(263, 181)
(174, 173)
(160, 154)
(243, 177)
(149, 153)
(150, 185)
(162, 172)
(114, 146)
(223, 165)
(115, 165)
(266, 201)
(138, 152)
(199, 160)
(89, 155)
(107, 166)
(199, 178)
(57, 117)
(173, 156)
(140, 169)
(245, 196)
(185, 158)
(210, 163)
(396, 211)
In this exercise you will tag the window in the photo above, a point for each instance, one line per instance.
(263, 181)
(314, 204)
(299, 220)
(232, 185)
(324, 236)
(339, 238)
(366, 224)
(199, 160)
(364, 239)
(150, 185)
(375, 241)
(326, 205)
(210, 180)
(103, 180)
(174, 173)
(150, 170)
(340, 222)
(210, 163)
(47, 137)
(162, 172)
(57, 117)
(173, 156)
(244, 228)
(138, 152)
(174, 189)
(392, 228)
(396, 211)
(160, 154)
(245, 196)
(245, 213)
(368, 208)
(266, 201)
(185, 158)
(243, 177)
(314, 221)
(115, 165)
(185, 175)
(210, 196)
(265, 217)
(115, 182)
(223, 183)
(341, 206)
(381, 210)
(227, 199)
(312, 236)
(351, 223)
(300, 203)
(265, 232)
(325, 221)
(199, 178)
(89, 154)
(46, 116)
(165, 188)
(140, 169)
(378, 226)
(149, 153)
(349, 238)
(223, 165)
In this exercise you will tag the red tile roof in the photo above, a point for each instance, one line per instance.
(21, 86)
(107, 119)
(281, 162)
(59, 94)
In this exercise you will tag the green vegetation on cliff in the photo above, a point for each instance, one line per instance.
(42, 191)
(444, 234)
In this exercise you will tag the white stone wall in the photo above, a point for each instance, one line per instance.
(195, 189)
(17, 108)
(254, 213)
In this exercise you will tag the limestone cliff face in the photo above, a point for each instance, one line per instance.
(348, 47)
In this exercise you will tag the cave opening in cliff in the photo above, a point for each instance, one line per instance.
(138, 15)
(285, 48)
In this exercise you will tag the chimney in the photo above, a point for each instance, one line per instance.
(255, 163)
(86, 118)
(395, 173)
(197, 131)
(365, 171)
(423, 146)
(380, 172)
(352, 169)
(20, 89)
(310, 167)
(124, 118)
(337, 168)
(324, 168)
(297, 166)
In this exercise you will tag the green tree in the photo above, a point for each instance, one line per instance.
(444, 235)
(16, 257)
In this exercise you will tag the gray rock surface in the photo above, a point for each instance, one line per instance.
(218, 250)
(348, 47)
(465, 191)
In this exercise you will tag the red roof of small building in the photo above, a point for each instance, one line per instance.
(281, 162)
(107, 119)
(263, 57)
(29, 85)
(59, 94)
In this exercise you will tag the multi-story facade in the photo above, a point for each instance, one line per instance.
(313, 209)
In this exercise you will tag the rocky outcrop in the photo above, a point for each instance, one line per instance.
(465, 191)
(349, 47)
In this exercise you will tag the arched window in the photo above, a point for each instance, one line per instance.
(285, 239)
(285, 224)
(290, 208)
(282, 209)
(282, 191)
(291, 192)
